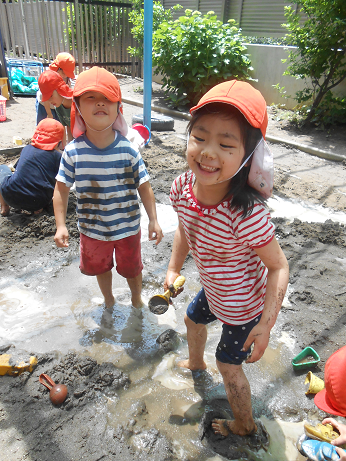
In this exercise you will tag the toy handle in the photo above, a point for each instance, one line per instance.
(46, 381)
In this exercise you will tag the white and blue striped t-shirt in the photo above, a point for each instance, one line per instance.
(106, 186)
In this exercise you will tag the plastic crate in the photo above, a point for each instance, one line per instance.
(23, 75)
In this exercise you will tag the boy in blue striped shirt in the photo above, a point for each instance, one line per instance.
(108, 171)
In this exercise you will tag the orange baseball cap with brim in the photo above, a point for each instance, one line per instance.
(49, 81)
(241, 95)
(66, 62)
(48, 134)
(100, 80)
(332, 399)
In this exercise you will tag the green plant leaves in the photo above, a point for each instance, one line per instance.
(194, 52)
(320, 55)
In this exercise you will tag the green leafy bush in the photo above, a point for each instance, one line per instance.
(330, 111)
(194, 53)
(136, 17)
(320, 55)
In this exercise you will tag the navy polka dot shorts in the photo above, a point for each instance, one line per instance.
(233, 336)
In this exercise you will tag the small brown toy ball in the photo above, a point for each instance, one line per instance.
(58, 394)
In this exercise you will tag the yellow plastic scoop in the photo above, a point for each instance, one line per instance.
(159, 304)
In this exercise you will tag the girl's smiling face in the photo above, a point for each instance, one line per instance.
(97, 111)
(215, 149)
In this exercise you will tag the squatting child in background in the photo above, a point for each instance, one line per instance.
(31, 186)
(224, 223)
(108, 172)
(56, 92)
(64, 64)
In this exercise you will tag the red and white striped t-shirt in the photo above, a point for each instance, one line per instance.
(222, 244)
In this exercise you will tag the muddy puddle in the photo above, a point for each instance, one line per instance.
(48, 307)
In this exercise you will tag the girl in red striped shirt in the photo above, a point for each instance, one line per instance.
(224, 223)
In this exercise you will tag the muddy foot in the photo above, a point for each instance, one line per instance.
(259, 438)
(186, 364)
(109, 303)
(228, 444)
(226, 427)
(137, 304)
(5, 210)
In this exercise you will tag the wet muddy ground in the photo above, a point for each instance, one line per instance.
(127, 399)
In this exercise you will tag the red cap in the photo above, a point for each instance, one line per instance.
(66, 62)
(332, 399)
(244, 97)
(49, 81)
(48, 134)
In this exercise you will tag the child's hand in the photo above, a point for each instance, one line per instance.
(155, 231)
(341, 428)
(259, 336)
(170, 279)
(61, 237)
(340, 452)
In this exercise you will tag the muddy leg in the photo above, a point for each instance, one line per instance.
(135, 285)
(105, 284)
(5, 209)
(239, 397)
(196, 339)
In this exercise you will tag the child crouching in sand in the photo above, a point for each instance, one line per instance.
(108, 172)
(225, 225)
(30, 187)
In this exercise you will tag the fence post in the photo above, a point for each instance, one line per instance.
(78, 37)
(148, 61)
(26, 43)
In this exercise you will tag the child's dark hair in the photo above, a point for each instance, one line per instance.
(243, 195)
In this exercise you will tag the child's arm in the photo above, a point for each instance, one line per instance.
(66, 102)
(46, 105)
(274, 259)
(60, 202)
(180, 250)
(148, 199)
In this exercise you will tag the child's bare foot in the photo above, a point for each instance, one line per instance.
(5, 210)
(186, 364)
(109, 302)
(226, 426)
(137, 303)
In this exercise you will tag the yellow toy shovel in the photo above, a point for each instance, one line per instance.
(159, 304)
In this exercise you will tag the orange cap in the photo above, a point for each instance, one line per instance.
(48, 134)
(331, 399)
(241, 95)
(49, 81)
(100, 80)
(95, 79)
(66, 62)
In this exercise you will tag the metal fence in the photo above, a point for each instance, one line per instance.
(261, 18)
(97, 33)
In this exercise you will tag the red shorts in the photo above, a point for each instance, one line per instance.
(96, 256)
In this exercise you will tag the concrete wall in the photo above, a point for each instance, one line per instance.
(268, 70)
